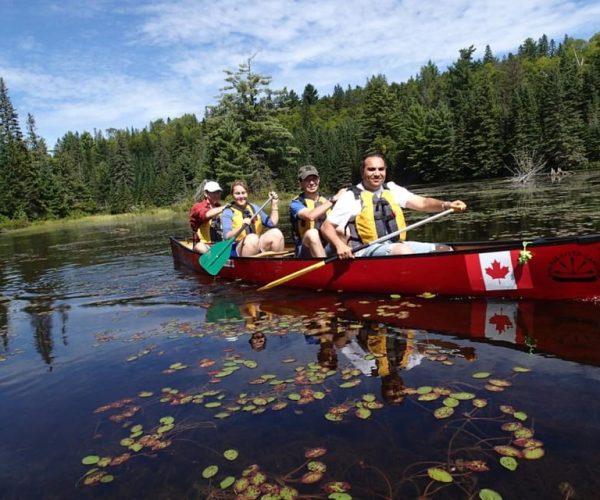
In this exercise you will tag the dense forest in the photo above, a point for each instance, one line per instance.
(481, 118)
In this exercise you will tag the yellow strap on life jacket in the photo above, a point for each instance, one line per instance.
(237, 221)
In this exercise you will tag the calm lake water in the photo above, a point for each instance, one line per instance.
(123, 376)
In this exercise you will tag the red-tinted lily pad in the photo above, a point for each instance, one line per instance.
(336, 487)
(363, 413)
(311, 477)
(476, 465)
(507, 451)
(315, 452)
(528, 443)
(499, 382)
(280, 405)
(509, 410)
(493, 388)
(480, 403)
(511, 426)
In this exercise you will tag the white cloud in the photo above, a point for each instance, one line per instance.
(135, 63)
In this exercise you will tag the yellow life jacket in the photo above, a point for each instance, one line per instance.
(300, 226)
(237, 221)
(211, 231)
(379, 216)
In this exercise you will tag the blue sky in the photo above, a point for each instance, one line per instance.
(84, 65)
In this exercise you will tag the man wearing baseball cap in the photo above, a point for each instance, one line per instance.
(308, 211)
(205, 218)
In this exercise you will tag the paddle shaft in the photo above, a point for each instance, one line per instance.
(333, 258)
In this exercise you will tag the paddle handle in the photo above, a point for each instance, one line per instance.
(244, 226)
(395, 233)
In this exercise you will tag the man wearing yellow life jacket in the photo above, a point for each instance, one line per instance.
(308, 211)
(361, 213)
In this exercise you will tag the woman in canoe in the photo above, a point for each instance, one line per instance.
(205, 218)
(254, 239)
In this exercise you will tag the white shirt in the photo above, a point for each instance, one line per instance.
(348, 205)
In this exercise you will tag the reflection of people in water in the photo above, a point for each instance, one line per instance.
(330, 336)
(400, 351)
(258, 341)
(251, 315)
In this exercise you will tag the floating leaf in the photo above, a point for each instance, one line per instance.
(521, 369)
(311, 477)
(424, 389)
(511, 426)
(499, 382)
(480, 403)
(440, 475)
(520, 415)
(451, 402)
(507, 451)
(523, 432)
(227, 482)
(90, 460)
(108, 478)
(336, 487)
(340, 496)
(210, 471)
(288, 493)
(509, 463)
(315, 452)
(332, 417)
(280, 405)
(230, 454)
(294, 396)
(509, 410)
(363, 413)
(487, 494)
(528, 443)
(481, 375)
(427, 295)
(533, 453)
(249, 363)
(315, 466)
(443, 412)
(430, 396)
(145, 394)
(462, 396)
(136, 429)
(167, 420)
(369, 397)
(350, 384)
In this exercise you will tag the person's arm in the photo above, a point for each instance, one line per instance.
(431, 205)
(329, 231)
(274, 208)
(315, 213)
(227, 223)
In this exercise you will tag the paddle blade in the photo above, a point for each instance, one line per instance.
(216, 257)
(291, 276)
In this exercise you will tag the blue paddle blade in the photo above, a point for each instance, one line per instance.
(216, 257)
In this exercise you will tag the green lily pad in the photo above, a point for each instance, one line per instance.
(451, 402)
(443, 412)
(480, 403)
(509, 463)
(462, 396)
(440, 475)
(167, 420)
(226, 482)
(507, 451)
(521, 369)
(90, 460)
(210, 471)
(481, 375)
(520, 415)
(487, 494)
(363, 413)
(425, 389)
(230, 454)
(533, 453)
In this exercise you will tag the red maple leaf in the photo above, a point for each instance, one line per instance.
(496, 271)
(501, 322)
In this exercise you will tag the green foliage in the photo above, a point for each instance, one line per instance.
(474, 120)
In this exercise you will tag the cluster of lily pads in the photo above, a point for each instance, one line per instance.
(304, 384)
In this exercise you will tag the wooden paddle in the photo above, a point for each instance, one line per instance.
(214, 260)
(313, 267)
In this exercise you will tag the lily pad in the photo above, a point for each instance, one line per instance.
(440, 475)
(533, 453)
(481, 375)
(507, 451)
(509, 463)
(90, 460)
(210, 471)
(487, 494)
(451, 402)
(311, 477)
(425, 389)
(315, 452)
(443, 412)
(230, 454)
(227, 482)
(521, 369)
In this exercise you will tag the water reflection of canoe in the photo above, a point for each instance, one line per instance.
(560, 268)
(569, 330)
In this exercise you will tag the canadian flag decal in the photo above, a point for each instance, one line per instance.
(498, 271)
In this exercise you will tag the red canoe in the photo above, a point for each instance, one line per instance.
(559, 268)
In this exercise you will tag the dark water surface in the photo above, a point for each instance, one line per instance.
(101, 337)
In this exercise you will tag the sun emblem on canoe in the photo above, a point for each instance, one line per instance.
(574, 266)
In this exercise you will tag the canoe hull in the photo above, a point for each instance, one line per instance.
(561, 268)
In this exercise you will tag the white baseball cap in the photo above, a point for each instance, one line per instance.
(212, 187)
